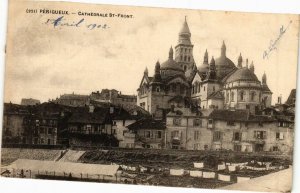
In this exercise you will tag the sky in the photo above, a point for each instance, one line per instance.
(43, 61)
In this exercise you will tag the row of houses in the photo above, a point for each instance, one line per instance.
(102, 124)
(98, 124)
(235, 130)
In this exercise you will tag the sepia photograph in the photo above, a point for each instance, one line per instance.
(149, 96)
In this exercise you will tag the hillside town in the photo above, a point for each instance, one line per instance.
(214, 120)
(215, 106)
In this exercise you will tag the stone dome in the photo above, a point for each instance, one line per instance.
(203, 68)
(223, 66)
(171, 64)
(242, 74)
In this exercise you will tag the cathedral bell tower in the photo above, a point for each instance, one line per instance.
(184, 48)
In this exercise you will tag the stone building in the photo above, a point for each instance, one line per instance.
(149, 133)
(30, 101)
(73, 100)
(114, 97)
(218, 105)
(12, 126)
(46, 124)
(187, 130)
(239, 130)
(219, 84)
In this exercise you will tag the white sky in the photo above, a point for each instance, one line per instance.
(43, 62)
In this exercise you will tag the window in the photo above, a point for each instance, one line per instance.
(196, 146)
(279, 136)
(177, 121)
(275, 148)
(210, 121)
(253, 96)
(283, 124)
(199, 87)
(260, 134)
(214, 88)
(197, 122)
(42, 141)
(175, 134)
(196, 135)
(232, 96)
(50, 131)
(184, 58)
(217, 136)
(181, 89)
(189, 59)
(227, 97)
(173, 88)
(236, 136)
(158, 134)
(231, 123)
(147, 134)
(184, 68)
(242, 93)
(204, 88)
(237, 148)
(157, 89)
(181, 57)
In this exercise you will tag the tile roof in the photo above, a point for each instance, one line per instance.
(147, 124)
(229, 115)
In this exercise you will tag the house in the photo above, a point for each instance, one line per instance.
(187, 130)
(149, 133)
(12, 128)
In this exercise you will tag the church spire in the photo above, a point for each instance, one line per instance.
(205, 60)
(157, 67)
(171, 53)
(240, 61)
(252, 67)
(211, 74)
(223, 49)
(185, 34)
(247, 63)
(264, 78)
(157, 76)
(146, 71)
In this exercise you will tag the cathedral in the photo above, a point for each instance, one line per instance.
(215, 84)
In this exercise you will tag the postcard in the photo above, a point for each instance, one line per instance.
(150, 96)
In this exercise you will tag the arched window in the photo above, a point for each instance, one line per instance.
(182, 89)
(232, 96)
(185, 50)
(242, 94)
(174, 88)
(184, 58)
(181, 57)
(253, 96)
(189, 59)
(227, 97)
(184, 68)
(157, 89)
